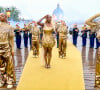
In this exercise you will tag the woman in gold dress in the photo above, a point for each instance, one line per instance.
(95, 27)
(48, 40)
(62, 39)
(7, 75)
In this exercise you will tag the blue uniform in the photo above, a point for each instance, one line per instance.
(92, 38)
(97, 43)
(30, 38)
(25, 37)
(18, 38)
(41, 35)
(75, 35)
(57, 39)
(84, 37)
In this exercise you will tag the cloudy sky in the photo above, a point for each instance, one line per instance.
(74, 10)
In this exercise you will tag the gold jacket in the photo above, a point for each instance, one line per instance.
(35, 33)
(29, 27)
(7, 35)
(63, 31)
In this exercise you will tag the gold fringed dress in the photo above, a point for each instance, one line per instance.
(48, 39)
(62, 40)
(7, 74)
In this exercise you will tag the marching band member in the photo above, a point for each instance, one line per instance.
(84, 35)
(75, 34)
(18, 36)
(25, 30)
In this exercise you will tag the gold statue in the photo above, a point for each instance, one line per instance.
(48, 40)
(7, 75)
(62, 39)
(95, 27)
(35, 39)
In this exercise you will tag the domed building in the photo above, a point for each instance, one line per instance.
(58, 13)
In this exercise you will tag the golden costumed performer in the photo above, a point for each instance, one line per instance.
(35, 39)
(62, 39)
(48, 40)
(95, 26)
(7, 75)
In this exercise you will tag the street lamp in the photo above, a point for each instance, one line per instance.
(8, 13)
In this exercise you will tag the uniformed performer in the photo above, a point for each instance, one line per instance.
(95, 27)
(75, 34)
(18, 36)
(62, 39)
(92, 38)
(7, 75)
(84, 35)
(25, 35)
(41, 35)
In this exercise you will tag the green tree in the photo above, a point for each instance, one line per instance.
(1, 9)
(14, 14)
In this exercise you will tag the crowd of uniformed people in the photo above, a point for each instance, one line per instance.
(85, 32)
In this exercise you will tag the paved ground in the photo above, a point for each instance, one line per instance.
(88, 57)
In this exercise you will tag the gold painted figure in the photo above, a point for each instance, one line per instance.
(48, 40)
(35, 39)
(62, 39)
(7, 75)
(95, 26)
